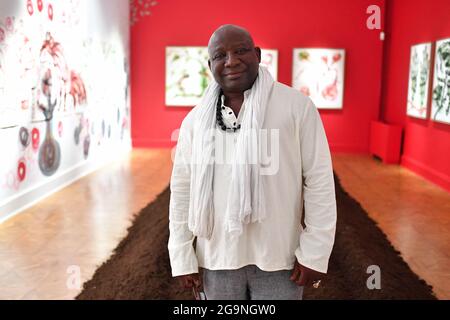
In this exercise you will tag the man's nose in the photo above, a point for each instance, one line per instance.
(231, 60)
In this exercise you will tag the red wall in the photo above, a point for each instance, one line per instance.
(426, 143)
(282, 25)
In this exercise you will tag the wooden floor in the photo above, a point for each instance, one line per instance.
(81, 225)
(77, 226)
(412, 212)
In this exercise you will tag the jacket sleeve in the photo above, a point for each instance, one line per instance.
(182, 255)
(317, 239)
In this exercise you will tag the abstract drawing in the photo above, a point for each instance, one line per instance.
(440, 107)
(418, 85)
(187, 75)
(319, 74)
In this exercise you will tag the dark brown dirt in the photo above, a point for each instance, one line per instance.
(139, 267)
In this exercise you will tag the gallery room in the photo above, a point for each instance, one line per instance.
(244, 150)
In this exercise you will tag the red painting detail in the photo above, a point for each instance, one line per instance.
(40, 5)
(72, 84)
(50, 12)
(77, 89)
(330, 92)
(35, 138)
(9, 23)
(30, 7)
(21, 171)
(336, 57)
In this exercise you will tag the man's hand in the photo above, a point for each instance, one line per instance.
(304, 276)
(188, 281)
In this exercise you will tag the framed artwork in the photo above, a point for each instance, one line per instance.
(440, 107)
(269, 59)
(418, 84)
(188, 74)
(319, 74)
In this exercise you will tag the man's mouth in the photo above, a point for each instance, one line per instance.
(233, 75)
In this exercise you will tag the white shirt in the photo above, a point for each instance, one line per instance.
(304, 176)
(228, 116)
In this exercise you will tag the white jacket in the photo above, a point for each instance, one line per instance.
(302, 174)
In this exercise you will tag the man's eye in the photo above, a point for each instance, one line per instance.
(218, 56)
(241, 50)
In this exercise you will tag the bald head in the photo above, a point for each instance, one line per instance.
(226, 30)
(233, 58)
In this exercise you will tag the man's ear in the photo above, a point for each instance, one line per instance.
(209, 65)
(258, 53)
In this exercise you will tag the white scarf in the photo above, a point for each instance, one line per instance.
(246, 201)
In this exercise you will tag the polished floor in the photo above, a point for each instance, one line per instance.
(412, 212)
(44, 248)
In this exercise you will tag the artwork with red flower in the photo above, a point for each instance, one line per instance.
(319, 74)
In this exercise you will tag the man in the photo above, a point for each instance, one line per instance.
(245, 214)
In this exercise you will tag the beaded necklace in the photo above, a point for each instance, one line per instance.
(219, 117)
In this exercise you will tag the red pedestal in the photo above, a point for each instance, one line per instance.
(385, 141)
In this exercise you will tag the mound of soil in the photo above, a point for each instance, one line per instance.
(139, 267)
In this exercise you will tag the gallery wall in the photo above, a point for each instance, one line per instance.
(426, 143)
(64, 94)
(282, 25)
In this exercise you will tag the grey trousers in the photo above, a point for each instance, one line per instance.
(250, 283)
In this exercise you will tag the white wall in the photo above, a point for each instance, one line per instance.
(72, 55)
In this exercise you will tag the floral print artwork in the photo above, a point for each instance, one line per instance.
(419, 74)
(440, 108)
(319, 74)
(187, 75)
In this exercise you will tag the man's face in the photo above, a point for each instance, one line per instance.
(233, 60)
